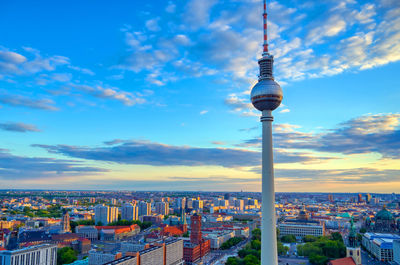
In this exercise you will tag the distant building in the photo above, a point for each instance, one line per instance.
(105, 214)
(359, 198)
(162, 208)
(87, 231)
(45, 254)
(65, 223)
(198, 205)
(144, 208)
(181, 203)
(368, 197)
(129, 212)
(155, 219)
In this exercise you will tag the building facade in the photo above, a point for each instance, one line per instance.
(45, 254)
(144, 208)
(105, 214)
(301, 229)
(380, 245)
(129, 212)
(162, 208)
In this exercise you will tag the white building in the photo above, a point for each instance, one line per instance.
(217, 238)
(45, 254)
(380, 245)
(301, 229)
(129, 212)
(97, 258)
(105, 214)
(396, 251)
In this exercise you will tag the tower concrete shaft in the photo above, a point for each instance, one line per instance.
(269, 251)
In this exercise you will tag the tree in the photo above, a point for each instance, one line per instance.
(288, 239)
(256, 244)
(251, 260)
(309, 238)
(336, 236)
(256, 233)
(318, 259)
(231, 242)
(66, 255)
(232, 261)
(282, 250)
(363, 230)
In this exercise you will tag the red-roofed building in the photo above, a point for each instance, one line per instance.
(117, 232)
(172, 231)
(343, 261)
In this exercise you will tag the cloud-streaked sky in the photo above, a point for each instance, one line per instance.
(155, 95)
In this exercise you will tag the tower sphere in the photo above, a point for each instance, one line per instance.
(266, 95)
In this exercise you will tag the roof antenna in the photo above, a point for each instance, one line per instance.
(265, 51)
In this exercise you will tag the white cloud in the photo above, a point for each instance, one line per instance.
(152, 24)
(203, 112)
(170, 7)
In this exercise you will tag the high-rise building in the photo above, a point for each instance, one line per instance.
(198, 205)
(360, 199)
(239, 204)
(181, 203)
(162, 208)
(105, 214)
(129, 212)
(189, 203)
(330, 197)
(65, 224)
(368, 197)
(144, 208)
(45, 254)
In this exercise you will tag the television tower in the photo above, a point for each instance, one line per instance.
(266, 96)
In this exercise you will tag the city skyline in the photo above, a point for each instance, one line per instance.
(156, 96)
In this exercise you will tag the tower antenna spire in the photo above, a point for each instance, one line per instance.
(265, 45)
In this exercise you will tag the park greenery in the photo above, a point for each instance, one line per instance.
(251, 253)
(66, 255)
(231, 242)
(54, 211)
(320, 250)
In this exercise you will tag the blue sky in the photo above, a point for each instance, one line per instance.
(155, 95)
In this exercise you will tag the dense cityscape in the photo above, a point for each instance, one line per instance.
(170, 228)
(158, 133)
